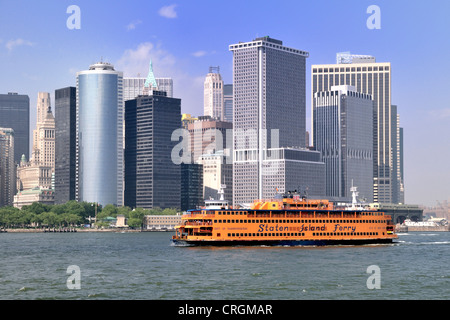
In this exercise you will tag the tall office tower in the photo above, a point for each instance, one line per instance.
(99, 170)
(191, 186)
(38, 172)
(65, 144)
(152, 179)
(373, 78)
(269, 93)
(228, 102)
(15, 114)
(402, 177)
(43, 103)
(43, 152)
(7, 167)
(343, 124)
(208, 135)
(213, 94)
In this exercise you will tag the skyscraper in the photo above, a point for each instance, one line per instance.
(65, 144)
(99, 173)
(43, 152)
(343, 134)
(373, 78)
(7, 167)
(269, 93)
(228, 102)
(15, 114)
(152, 179)
(35, 176)
(213, 94)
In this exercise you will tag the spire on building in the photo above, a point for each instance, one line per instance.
(151, 80)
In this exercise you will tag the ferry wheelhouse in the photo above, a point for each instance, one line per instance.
(290, 220)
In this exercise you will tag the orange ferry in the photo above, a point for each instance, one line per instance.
(290, 220)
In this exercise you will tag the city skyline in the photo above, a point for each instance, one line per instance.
(46, 56)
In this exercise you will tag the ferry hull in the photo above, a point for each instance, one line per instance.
(178, 242)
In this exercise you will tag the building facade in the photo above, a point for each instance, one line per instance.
(209, 135)
(268, 108)
(15, 114)
(65, 144)
(213, 94)
(43, 152)
(373, 78)
(228, 103)
(343, 124)
(152, 179)
(217, 175)
(191, 186)
(7, 167)
(99, 170)
(290, 169)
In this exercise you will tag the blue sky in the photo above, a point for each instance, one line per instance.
(184, 37)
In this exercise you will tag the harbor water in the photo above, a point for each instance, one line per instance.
(135, 266)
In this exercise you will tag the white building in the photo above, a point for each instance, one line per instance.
(269, 97)
(213, 94)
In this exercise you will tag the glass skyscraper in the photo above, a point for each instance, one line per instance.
(152, 179)
(15, 114)
(65, 144)
(343, 134)
(228, 103)
(373, 78)
(99, 135)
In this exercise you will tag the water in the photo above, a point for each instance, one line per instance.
(145, 266)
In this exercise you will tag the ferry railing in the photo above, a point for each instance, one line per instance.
(198, 223)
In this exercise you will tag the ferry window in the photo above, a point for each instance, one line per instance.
(265, 221)
(229, 235)
(232, 221)
(228, 221)
(241, 221)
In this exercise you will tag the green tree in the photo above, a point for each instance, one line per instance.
(50, 219)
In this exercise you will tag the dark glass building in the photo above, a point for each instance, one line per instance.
(152, 179)
(65, 144)
(15, 114)
(191, 186)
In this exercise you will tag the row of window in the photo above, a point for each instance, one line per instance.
(301, 234)
(250, 212)
(298, 221)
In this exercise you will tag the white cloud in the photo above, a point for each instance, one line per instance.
(168, 11)
(187, 87)
(440, 113)
(133, 25)
(199, 54)
(11, 44)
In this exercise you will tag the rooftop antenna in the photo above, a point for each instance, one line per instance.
(211, 69)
